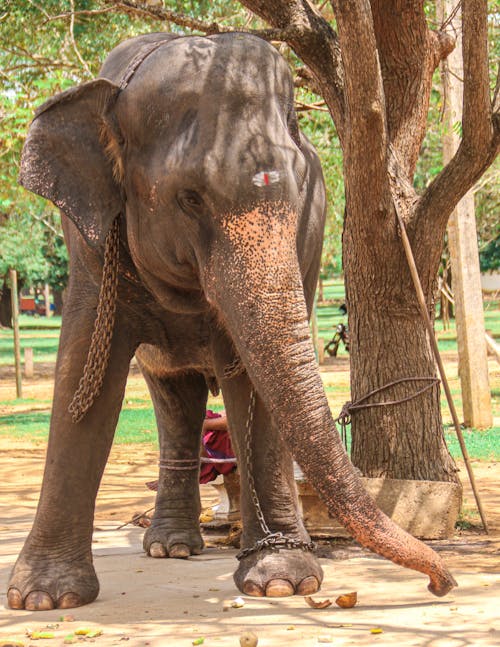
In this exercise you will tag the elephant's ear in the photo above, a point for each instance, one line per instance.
(63, 158)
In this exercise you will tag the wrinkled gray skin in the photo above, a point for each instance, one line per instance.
(213, 267)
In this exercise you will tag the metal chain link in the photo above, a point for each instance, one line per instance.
(99, 351)
(274, 540)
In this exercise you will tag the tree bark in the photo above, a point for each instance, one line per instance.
(5, 307)
(58, 301)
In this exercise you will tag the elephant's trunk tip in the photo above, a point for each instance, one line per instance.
(441, 583)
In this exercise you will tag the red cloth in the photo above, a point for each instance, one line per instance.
(216, 444)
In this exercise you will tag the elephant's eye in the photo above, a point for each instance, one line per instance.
(189, 200)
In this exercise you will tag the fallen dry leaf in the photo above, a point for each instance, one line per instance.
(321, 604)
(347, 600)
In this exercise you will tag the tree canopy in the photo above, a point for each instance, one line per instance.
(50, 46)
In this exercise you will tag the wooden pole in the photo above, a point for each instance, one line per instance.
(15, 325)
(29, 367)
(46, 295)
(314, 330)
(432, 338)
(464, 257)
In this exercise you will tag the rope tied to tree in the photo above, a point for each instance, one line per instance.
(99, 351)
(345, 415)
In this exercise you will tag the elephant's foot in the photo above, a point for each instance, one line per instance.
(45, 585)
(280, 573)
(177, 544)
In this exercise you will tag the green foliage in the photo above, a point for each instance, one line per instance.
(489, 256)
(43, 52)
(21, 240)
(319, 128)
(39, 57)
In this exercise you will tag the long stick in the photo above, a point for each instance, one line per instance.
(425, 314)
(15, 324)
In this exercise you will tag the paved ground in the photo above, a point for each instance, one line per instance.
(146, 602)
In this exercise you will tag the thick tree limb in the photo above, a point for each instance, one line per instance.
(480, 124)
(182, 20)
(366, 141)
(165, 15)
(409, 53)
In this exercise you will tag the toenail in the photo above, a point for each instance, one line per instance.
(15, 599)
(279, 588)
(157, 550)
(69, 601)
(251, 588)
(308, 585)
(179, 551)
(38, 601)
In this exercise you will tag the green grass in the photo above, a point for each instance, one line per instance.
(138, 425)
(40, 333)
(481, 444)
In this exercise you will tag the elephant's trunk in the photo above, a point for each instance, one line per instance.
(261, 299)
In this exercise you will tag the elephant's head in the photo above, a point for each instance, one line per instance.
(202, 154)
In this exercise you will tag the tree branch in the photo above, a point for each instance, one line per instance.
(80, 12)
(366, 145)
(409, 53)
(73, 41)
(165, 15)
(480, 123)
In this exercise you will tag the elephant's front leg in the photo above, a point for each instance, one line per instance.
(269, 571)
(179, 404)
(55, 566)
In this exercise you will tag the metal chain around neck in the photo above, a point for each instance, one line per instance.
(274, 540)
(99, 351)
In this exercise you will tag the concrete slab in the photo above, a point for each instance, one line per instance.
(425, 509)
(154, 603)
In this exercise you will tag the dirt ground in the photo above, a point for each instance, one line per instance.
(157, 603)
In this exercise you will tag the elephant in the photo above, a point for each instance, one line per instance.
(193, 210)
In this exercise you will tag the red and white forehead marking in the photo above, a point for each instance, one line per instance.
(265, 178)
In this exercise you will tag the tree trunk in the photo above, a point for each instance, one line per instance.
(321, 295)
(388, 342)
(5, 307)
(58, 301)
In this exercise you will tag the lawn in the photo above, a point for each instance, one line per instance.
(39, 333)
(28, 418)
